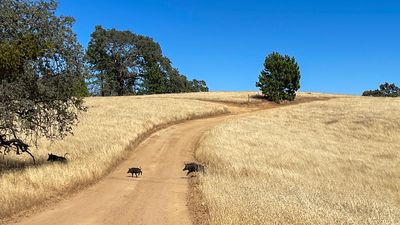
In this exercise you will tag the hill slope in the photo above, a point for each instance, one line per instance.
(331, 162)
(100, 141)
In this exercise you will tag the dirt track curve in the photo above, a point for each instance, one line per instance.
(157, 197)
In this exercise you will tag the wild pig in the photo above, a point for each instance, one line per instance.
(135, 170)
(56, 158)
(193, 167)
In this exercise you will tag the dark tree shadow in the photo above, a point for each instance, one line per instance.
(12, 164)
(258, 97)
(8, 164)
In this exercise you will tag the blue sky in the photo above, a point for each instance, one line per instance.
(341, 46)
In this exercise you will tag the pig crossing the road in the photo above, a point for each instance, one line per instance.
(135, 170)
(193, 167)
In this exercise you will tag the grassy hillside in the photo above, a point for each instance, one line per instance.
(220, 96)
(328, 162)
(100, 141)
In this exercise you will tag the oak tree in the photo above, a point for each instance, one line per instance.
(40, 65)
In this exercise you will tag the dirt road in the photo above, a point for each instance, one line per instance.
(156, 197)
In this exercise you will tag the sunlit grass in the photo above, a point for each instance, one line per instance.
(219, 96)
(99, 142)
(329, 162)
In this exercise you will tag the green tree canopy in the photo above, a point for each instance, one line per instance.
(40, 67)
(154, 80)
(385, 90)
(124, 63)
(280, 78)
(112, 56)
(198, 86)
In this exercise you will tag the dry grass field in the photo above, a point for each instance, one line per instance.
(100, 141)
(217, 96)
(241, 97)
(327, 162)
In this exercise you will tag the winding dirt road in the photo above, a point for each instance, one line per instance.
(156, 197)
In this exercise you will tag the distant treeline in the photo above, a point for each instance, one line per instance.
(385, 90)
(124, 63)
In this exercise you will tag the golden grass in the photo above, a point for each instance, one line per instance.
(218, 96)
(100, 141)
(238, 97)
(328, 162)
(323, 95)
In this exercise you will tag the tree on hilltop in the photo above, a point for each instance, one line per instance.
(124, 63)
(112, 57)
(280, 78)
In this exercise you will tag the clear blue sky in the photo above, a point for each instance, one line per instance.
(341, 46)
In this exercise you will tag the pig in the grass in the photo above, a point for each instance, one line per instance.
(56, 158)
(193, 167)
(135, 170)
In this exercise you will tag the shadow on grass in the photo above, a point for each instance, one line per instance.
(11, 164)
(258, 97)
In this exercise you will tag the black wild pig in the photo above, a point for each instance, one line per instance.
(193, 167)
(136, 171)
(56, 158)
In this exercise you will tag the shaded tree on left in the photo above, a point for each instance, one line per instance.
(41, 74)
